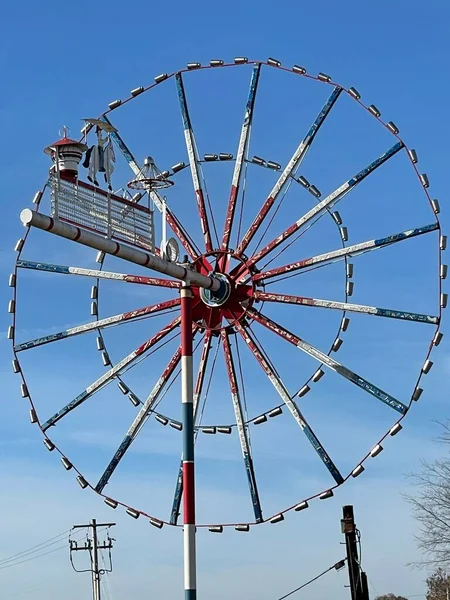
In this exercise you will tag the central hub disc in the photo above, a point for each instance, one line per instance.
(220, 296)
(227, 305)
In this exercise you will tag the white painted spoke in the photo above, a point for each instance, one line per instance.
(291, 167)
(347, 252)
(329, 362)
(281, 389)
(139, 313)
(241, 426)
(111, 373)
(97, 274)
(347, 306)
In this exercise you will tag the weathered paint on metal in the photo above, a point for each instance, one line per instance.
(111, 373)
(241, 426)
(327, 202)
(292, 165)
(193, 162)
(349, 251)
(97, 274)
(100, 324)
(347, 306)
(329, 362)
(291, 405)
(240, 158)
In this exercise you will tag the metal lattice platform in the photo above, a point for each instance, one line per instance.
(91, 208)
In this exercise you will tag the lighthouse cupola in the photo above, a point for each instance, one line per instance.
(66, 155)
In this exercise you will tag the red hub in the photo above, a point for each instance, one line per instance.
(215, 315)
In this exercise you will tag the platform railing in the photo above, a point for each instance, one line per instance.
(89, 207)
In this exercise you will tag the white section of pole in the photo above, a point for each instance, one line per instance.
(164, 227)
(32, 218)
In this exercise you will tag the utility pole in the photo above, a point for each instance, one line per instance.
(358, 579)
(93, 547)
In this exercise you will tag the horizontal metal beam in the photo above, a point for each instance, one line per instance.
(32, 218)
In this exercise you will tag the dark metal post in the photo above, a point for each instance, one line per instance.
(365, 587)
(354, 571)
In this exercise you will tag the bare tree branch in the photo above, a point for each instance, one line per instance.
(431, 505)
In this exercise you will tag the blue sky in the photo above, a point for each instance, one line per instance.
(60, 65)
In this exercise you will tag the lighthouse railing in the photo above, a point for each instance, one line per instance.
(92, 208)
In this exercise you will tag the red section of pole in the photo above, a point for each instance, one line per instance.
(189, 493)
(186, 321)
(187, 396)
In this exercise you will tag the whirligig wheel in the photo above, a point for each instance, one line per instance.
(250, 259)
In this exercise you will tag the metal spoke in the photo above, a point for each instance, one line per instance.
(241, 427)
(97, 274)
(347, 252)
(327, 202)
(359, 308)
(193, 162)
(139, 421)
(281, 389)
(328, 362)
(240, 157)
(172, 220)
(176, 504)
(111, 373)
(290, 168)
(100, 324)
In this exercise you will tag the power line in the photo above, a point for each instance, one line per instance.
(374, 588)
(336, 566)
(30, 550)
(14, 564)
(35, 553)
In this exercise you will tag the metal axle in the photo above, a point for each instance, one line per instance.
(31, 218)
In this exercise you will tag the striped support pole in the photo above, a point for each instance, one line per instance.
(187, 396)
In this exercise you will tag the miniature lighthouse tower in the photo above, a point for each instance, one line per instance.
(66, 155)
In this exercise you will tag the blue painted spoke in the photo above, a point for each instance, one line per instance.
(291, 405)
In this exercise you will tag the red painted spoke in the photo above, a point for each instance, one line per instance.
(290, 168)
(116, 370)
(139, 313)
(240, 161)
(181, 233)
(172, 220)
(281, 389)
(345, 306)
(97, 274)
(140, 419)
(347, 252)
(202, 369)
(324, 204)
(193, 162)
(328, 361)
(241, 426)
